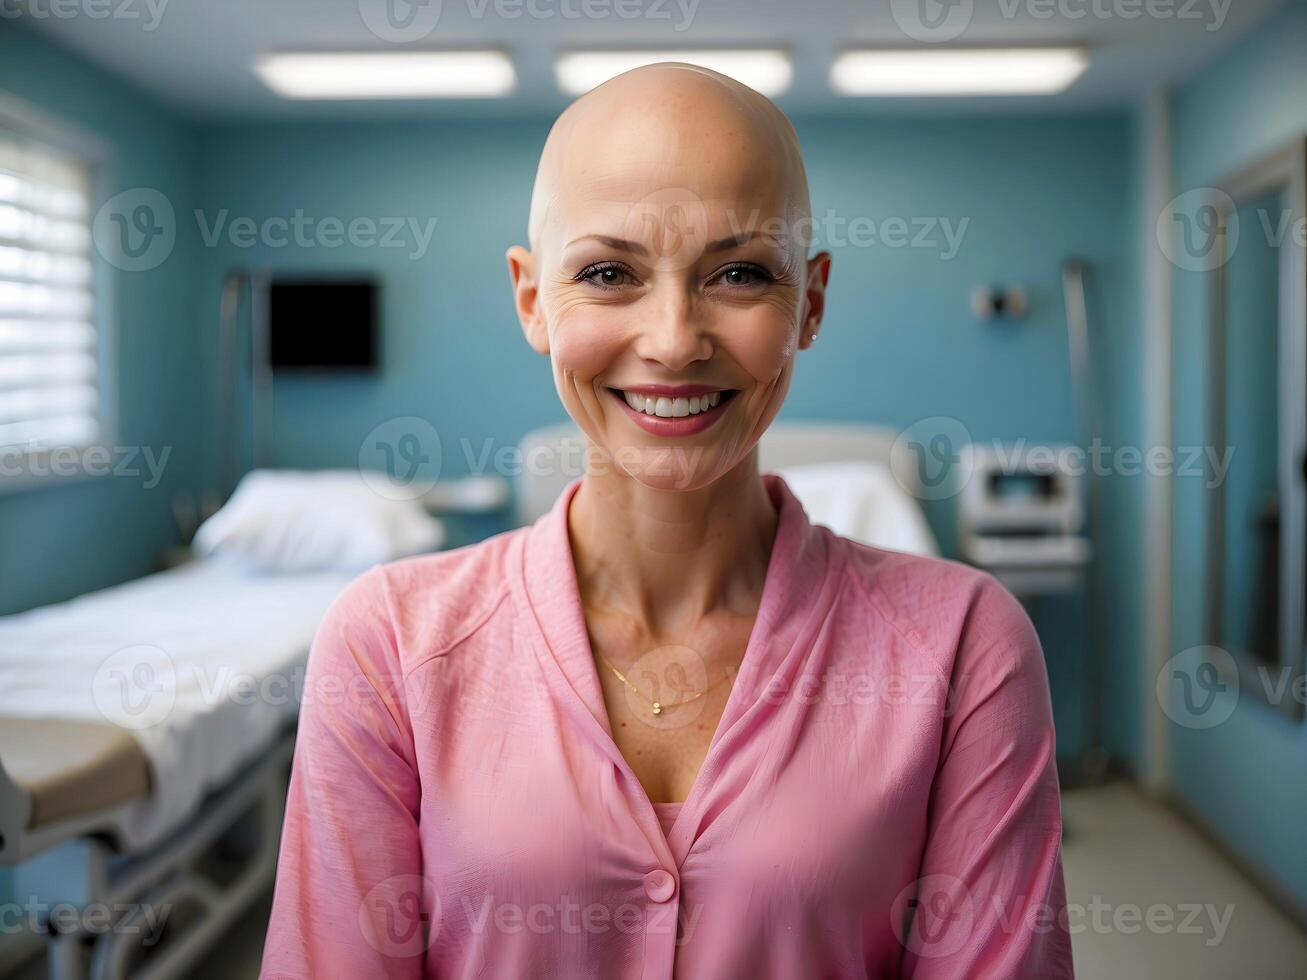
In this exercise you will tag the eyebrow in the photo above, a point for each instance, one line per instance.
(635, 248)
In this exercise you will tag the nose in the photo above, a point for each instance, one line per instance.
(672, 332)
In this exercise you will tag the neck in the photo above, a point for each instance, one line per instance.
(669, 558)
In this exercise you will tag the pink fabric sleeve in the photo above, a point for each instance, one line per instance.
(349, 899)
(990, 900)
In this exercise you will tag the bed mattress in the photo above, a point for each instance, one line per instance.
(175, 680)
(71, 768)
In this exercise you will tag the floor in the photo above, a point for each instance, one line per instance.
(1128, 862)
(1128, 859)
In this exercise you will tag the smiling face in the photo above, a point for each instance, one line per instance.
(668, 279)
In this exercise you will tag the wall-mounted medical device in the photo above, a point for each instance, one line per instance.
(998, 302)
(1021, 515)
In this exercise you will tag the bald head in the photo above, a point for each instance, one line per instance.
(675, 130)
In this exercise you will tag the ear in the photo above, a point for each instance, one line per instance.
(814, 297)
(526, 297)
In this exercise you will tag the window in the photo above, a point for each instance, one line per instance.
(49, 348)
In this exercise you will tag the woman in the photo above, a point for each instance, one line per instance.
(673, 728)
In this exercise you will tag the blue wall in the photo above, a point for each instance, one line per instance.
(1019, 194)
(1246, 778)
(899, 343)
(1030, 191)
(61, 540)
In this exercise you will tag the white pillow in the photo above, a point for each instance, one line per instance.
(299, 521)
(862, 501)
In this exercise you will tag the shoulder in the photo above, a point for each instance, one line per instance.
(974, 631)
(423, 605)
(947, 609)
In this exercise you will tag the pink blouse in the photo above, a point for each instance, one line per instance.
(879, 798)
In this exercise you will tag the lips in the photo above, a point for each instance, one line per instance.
(673, 411)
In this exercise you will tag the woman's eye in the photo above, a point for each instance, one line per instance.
(743, 275)
(606, 276)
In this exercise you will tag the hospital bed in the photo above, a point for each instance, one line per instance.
(858, 479)
(141, 727)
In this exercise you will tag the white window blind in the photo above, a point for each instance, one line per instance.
(49, 375)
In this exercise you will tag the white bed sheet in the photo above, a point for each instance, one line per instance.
(203, 663)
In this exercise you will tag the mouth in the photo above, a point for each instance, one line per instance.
(666, 410)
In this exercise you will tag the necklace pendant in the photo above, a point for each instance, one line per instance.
(657, 708)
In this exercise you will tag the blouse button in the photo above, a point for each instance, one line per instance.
(659, 885)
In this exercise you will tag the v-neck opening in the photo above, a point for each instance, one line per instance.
(779, 619)
(668, 814)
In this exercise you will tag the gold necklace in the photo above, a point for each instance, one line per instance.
(656, 706)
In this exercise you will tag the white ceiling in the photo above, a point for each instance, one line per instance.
(197, 54)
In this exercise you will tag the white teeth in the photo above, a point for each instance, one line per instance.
(672, 408)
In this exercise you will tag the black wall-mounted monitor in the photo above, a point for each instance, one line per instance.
(323, 325)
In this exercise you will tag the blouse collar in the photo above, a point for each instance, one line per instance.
(797, 572)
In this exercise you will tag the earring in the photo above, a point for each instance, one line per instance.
(812, 336)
